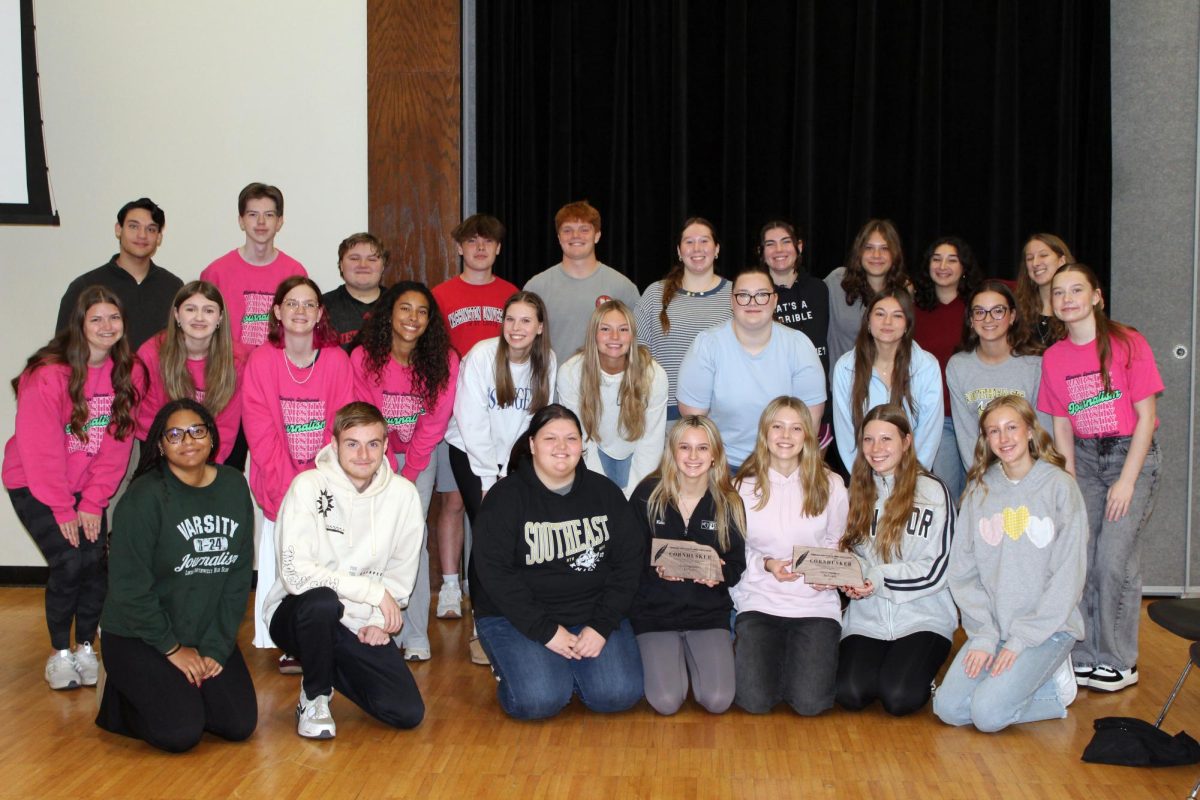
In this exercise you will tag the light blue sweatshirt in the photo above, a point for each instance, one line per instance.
(926, 414)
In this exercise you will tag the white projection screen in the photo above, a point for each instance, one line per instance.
(24, 180)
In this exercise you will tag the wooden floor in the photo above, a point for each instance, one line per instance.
(466, 748)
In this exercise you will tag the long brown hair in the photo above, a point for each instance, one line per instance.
(70, 348)
(636, 382)
(1106, 328)
(674, 280)
(727, 503)
(1041, 443)
(854, 282)
(220, 370)
(865, 350)
(539, 357)
(889, 531)
(812, 474)
(1029, 298)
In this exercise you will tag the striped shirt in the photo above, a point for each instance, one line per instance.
(690, 313)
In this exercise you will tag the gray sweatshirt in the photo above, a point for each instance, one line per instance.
(973, 384)
(1019, 560)
(911, 593)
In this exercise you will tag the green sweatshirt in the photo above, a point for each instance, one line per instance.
(180, 561)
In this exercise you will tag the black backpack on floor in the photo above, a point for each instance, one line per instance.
(1129, 742)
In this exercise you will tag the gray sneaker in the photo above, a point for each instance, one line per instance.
(86, 664)
(449, 602)
(61, 672)
(313, 720)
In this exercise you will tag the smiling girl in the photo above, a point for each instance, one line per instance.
(407, 369)
(620, 394)
(195, 358)
(1041, 256)
(874, 264)
(1100, 384)
(75, 420)
(1016, 572)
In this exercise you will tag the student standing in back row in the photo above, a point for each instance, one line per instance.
(248, 275)
(574, 287)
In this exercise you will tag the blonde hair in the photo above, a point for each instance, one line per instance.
(220, 371)
(889, 531)
(727, 504)
(634, 394)
(812, 474)
(1041, 444)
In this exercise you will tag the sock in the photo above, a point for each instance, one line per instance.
(450, 580)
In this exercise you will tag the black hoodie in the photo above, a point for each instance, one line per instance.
(541, 559)
(662, 605)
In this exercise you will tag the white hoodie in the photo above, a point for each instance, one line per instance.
(358, 544)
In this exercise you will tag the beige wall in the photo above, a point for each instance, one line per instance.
(184, 103)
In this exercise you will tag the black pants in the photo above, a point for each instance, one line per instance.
(146, 697)
(898, 673)
(237, 456)
(373, 677)
(785, 659)
(469, 485)
(78, 579)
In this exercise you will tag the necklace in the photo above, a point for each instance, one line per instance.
(287, 362)
(687, 508)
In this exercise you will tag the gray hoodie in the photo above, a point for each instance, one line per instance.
(1019, 560)
(911, 593)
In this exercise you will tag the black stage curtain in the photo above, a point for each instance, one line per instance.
(988, 120)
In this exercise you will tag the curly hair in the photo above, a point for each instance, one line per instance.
(430, 359)
(925, 293)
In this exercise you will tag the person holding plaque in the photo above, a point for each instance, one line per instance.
(682, 623)
(555, 565)
(1017, 572)
(897, 629)
(787, 629)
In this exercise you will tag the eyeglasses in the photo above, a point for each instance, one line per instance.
(196, 432)
(307, 305)
(745, 298)
(979, 313)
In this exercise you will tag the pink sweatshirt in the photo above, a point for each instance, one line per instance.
(156, 393)
(55, 465)
(412, 429)
(288, 416)
(772, 532)
(248, 291)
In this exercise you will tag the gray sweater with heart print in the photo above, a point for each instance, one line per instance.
(1019, 558)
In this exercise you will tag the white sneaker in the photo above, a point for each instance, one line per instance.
(417, 652)
(449, 602)
(61, 672)
(86, 664)
(1064, 682)
(1107, 678)
(313, 720)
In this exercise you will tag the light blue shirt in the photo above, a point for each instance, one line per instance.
(718, 374)
(925, 385)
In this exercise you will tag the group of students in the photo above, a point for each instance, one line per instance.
(696, 411)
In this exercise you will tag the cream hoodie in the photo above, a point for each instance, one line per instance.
(358, 544)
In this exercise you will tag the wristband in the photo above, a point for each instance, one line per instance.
(173, 650)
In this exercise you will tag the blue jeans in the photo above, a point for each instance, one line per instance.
(536, 683)
(617, 470)
(947, 464)
(1112, 595)
(1025, 692)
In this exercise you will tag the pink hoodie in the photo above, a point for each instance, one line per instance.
(156, 393)
(55, 465)
(412, 429)
(772, 532)
(287, 413)
(248, 291)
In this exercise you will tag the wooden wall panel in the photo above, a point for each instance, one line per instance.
(414, 119)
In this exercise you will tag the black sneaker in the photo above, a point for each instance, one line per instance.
(1111, 679)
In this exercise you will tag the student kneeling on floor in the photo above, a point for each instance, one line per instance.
(348, 536)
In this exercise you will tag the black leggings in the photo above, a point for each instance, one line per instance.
(898, 673)
(146, 697)
(469, 485)
(78, 579)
